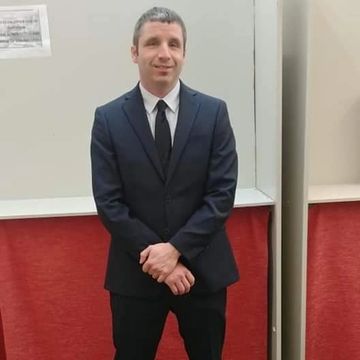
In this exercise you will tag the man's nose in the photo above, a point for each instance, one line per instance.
(164, 51)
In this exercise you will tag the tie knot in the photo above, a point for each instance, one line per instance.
(161, 105)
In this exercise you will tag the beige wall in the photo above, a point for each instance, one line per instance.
(321, 133)
(294, 175)
(334, 92)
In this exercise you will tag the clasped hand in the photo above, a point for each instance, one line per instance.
(161, 262)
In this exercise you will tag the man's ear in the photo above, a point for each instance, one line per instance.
(134, 54)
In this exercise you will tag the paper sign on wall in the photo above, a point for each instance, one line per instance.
(24, 31)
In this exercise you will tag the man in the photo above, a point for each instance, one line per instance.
(164, 177)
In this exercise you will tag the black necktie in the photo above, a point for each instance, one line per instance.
(162, 135)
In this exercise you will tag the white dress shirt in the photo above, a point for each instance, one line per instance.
(172, 100)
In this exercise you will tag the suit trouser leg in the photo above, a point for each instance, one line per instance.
(202, 323)
(137, 326)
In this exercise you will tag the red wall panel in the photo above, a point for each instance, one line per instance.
(333, 283)
(54, 307)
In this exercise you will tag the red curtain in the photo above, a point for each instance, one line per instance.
(54, 306)
(333, 282)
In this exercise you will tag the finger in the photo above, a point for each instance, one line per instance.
(190, 278)
(146, 267)
(174, 289)
(186, 285)
(161, 278)
(180, 287)
(144, 255)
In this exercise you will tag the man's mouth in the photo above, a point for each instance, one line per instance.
(162, 67)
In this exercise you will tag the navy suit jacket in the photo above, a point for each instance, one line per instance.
(140, 206)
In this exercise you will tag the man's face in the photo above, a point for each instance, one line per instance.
(160, 56)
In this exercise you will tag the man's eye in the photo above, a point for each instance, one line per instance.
(151, 43)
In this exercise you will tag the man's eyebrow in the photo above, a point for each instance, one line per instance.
(152, 38)
(175, 39)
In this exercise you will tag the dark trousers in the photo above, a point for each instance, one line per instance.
(138, 324)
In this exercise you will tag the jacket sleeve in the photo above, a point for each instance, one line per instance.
(219, 195)
(131, 234)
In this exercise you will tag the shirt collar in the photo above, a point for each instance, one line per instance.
(171, 99)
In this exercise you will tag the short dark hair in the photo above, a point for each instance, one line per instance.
(160, 14)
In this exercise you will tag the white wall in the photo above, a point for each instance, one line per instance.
(268, 37)
(47, 104)
(268, 96)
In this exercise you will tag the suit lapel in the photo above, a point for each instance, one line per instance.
(136, 114)
(188, 108)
